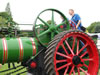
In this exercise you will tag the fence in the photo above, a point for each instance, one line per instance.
(98, 44)
(98, 39)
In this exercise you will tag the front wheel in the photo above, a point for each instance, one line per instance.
(72, 52)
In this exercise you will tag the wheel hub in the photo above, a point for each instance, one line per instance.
(76, 60)
(52, 28)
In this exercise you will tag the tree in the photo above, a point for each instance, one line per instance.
(93, 27)
(7, 9)
(5, 18)
(97, 28)
(7, 25)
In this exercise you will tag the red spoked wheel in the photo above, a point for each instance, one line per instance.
(72, 52)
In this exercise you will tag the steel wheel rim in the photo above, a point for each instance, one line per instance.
(91, 50)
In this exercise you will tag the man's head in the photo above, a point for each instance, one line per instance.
(71, 12)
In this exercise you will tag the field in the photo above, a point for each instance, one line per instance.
(6, 66)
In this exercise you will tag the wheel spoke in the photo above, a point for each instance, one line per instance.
(57, 26)
(45, 32)
(84, 71)
(43, 21)
(64, 49)
(71, 70)
(66, 70)
(52, 20)
(83, 48)
(78, 70)
(63, 55)
(52, 35)
(91, 59)
(69, 47)
(61, 61)
(83, 54)
(77, 47)
(63, 66)
(39, 25)
(57, 32)
(73, 45)
(85, 65)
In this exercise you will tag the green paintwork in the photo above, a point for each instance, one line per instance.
(27, 48)
(46, 32)
(13, 49)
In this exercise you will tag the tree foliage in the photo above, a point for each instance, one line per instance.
(7, 24)
(94, 27)
(97, 28)
(5, 18)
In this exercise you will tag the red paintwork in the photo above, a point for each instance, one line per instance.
(34, 46)
(33, 65)
(5, 50)
(61, 26)
(21, 49)
(71, 22)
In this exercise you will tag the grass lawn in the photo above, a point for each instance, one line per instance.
(6, 66)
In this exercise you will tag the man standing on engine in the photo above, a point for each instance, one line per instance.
(76, 19)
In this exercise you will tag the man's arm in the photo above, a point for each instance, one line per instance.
(78, 24)
(79, 21)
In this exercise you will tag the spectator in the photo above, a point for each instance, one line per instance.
(64, 26)
(0, 65)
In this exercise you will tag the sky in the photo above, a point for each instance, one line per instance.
(26, 11)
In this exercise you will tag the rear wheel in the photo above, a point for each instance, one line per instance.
(72, 52)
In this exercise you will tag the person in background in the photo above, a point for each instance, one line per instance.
(76, 19)
(0, 65)
(64, 25)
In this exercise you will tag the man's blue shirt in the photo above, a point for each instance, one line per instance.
(75, 19)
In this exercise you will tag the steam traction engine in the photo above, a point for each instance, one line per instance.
(55, 50)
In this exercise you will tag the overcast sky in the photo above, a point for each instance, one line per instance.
(25, 11)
